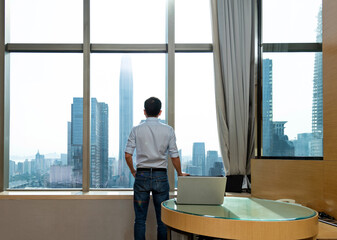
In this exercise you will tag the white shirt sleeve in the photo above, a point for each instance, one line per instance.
(131, 144)
(172, 148)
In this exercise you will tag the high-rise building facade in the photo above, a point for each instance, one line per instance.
(125, 119)
(98, 139)
(76, 152)
(267, 107)
(212, 157)
(198, 157)
(302, 144)
(99, 144)
(68, 143)
(217, 170)
(274, 141)
(316, 144)
(281, 144)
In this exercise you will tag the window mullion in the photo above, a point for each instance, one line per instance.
(86, 96)
(44, 47)
(4, 99)
(170, 73)
(292, 47)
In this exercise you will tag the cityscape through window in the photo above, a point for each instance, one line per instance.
(196, 126)
(292, 83)
(47, 104)
(130, 62)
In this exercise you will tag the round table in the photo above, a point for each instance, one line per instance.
(243, 218)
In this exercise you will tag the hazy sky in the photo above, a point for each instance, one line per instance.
(43, 85)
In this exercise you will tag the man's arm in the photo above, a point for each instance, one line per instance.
(129, 162)
(177, 166)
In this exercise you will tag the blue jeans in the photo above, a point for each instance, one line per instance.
(145, 182)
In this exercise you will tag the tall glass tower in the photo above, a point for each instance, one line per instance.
(125, 118)
(99, 143)
(198, 158)
(267, 107)
(316, 145)
(212, 157)
(76, 138)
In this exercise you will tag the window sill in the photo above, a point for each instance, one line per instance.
(45, 195)
(79, 195)
(71, 195)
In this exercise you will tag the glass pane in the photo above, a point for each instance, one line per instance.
(128, 21)
(292, 104)
(292, 21)
(196, 126)
(246, 209)
(193, 21)
(44, 149)
(46, 21)
(120, 85)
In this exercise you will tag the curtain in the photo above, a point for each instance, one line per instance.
(234, 51)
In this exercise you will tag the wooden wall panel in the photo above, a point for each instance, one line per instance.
(330, 188)
(294, 179)
(313, 183)
(330, 79)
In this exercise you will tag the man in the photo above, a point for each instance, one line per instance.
(152, 140)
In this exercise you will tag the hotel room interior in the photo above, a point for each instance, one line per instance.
(249, 85)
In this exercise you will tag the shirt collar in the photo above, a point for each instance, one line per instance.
(152, 119)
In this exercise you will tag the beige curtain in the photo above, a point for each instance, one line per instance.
(234, 47)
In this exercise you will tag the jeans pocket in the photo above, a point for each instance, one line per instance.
(141, 184)
(161, 184)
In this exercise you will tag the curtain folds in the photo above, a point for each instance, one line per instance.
(234, 51)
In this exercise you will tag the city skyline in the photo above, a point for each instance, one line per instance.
(308, 139)
(27, 141)
(42, 172)
(107, 169)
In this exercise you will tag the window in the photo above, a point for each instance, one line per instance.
(44, 120)
(193, 21)
(128, 21)
(120, 84)
(292, 108)
(196, 126)
(79, 77)
(40, 21)
(288, 21)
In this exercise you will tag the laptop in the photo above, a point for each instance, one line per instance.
(201, 190)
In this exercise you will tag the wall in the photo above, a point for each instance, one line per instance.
(330, 105)
(70, 220)
(312, 183)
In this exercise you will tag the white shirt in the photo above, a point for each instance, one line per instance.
(152, 140)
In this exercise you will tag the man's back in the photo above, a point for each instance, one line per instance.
(153, 140)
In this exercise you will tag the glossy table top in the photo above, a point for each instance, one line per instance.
(249, 209)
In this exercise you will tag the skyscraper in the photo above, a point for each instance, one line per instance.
(316, 144)
(99, 143)
(281, 144)
(267, 107)
(302, 144)
(125, 118)
(76, 160)
(198, 158)
(40, 162)
(68, 143)
(212, 157)
(274, 141)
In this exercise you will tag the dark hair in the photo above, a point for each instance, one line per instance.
(152, 106)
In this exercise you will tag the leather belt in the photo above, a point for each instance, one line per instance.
(152, 169)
